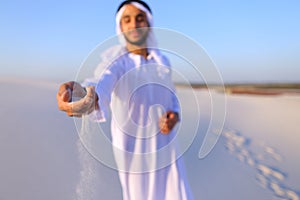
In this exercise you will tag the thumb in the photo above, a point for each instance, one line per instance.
(90, 92)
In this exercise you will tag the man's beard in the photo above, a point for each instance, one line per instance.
(139, 42)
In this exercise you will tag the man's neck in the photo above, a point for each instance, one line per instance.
(140, 50)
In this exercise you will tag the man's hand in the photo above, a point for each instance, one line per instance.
(168, 121)
(86, 99)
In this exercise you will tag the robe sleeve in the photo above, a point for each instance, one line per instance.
(175, 102)
(104, 87)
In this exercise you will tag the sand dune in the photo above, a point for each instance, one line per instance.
(42, 157)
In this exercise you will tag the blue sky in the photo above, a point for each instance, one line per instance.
(249, 41)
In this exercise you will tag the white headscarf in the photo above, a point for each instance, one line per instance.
(151, 40)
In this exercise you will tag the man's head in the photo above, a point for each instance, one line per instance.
(142, 3)
(133, 19)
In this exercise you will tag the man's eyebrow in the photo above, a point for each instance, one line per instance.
(140, 14)
(125, 16)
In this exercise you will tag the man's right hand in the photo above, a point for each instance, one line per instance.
(86, 99)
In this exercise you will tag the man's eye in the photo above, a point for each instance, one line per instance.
(126, 20)
(140, 19)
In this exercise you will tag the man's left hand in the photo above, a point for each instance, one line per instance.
(168, 121)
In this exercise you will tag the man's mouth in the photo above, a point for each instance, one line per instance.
(134, 33)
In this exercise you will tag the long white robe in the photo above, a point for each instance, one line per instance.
(139, 91)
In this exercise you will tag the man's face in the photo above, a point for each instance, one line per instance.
(134, 25)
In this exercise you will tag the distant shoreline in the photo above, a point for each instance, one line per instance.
(250, 88)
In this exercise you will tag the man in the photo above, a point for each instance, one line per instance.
(137, 87)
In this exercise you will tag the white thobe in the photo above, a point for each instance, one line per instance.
(139, 91)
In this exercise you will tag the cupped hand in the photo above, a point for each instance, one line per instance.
(76, 100)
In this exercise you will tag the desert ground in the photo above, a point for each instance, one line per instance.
(255, 157)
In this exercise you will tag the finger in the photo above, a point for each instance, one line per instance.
(90, 92)
(163, 125)
(80, 106)
(66, 95)
(74, 114)
(90, 98)
(79, 109)
(168, 125)
(61, 100)
(164, 129)
(162, 121)
(63, 87)
(171, 124)
(86, 104)
(64, 106)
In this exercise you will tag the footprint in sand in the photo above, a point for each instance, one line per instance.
(268, 177)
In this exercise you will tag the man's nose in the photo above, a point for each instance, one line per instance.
(134, 24)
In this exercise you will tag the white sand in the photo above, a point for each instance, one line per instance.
(257, 156)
